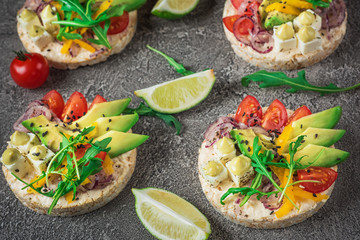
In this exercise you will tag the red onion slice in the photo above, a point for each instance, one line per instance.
(262, 42)
(332, 16)
(242, 38)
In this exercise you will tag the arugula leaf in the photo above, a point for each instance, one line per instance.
(319, 3)
(177, 66)
(274, 79)
(144, 110)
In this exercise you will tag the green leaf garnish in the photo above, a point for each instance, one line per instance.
(275, 79)
(319, 3)
(144, 110)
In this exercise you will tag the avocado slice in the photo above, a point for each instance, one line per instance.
(318, 136)
(324, 156)
(121, 123)
(122, 142)
(276, 18)
(48, 132)
(325, 119)
(245, 140)
(105, 109)
(263, 6)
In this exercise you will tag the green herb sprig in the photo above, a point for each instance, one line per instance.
(144, 110)
(319, 3)
(260, 162)
(77, 169)
(275, 79)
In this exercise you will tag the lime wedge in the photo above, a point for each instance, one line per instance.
(168, 216)
(180, 94)
(173, 9)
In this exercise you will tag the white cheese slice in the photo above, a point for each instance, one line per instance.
(224, 157)
(311, 46)
(284, 45)
(42, 37)
(20, 168)
(28, 18)
(316, 25)
(215, 180)
(48, 15)
(41, 164)
(242, 165)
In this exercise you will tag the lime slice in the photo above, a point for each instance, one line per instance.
(168, 216)
(180, 94)
(173, 9)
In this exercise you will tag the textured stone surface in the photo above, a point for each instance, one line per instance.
(169, 161)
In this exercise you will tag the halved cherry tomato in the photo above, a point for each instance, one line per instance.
(249, 108)
(75, 107)
(117, 24)
(237, 3)
(243, 26)
(80, 152)
(252, 9)
(229, 22)
(326, 176)
(97, 99)
(55, 102)
(275, 116)
(299, 113)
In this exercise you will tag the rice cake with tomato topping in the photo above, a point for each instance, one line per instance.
(285, 60)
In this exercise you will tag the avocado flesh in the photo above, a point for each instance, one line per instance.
(245, 140)
(122, 142)
(121, 123)
(325, 119)
(48, 132)
(325, 157)
(105, 109)
(318, 136)
(276, 18)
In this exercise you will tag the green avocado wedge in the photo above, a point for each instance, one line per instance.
(245, 140)
(325, 119)
(318, 136)
(321, 156)
(122, 142)
(105, 109)
(121, 123)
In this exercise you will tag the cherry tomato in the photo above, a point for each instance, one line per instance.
(252, 9)
(55, 102)
(249, 108)
(80, 152)
(237, 3)
(75, 107)
(29, 70)
(326, 176)
(299, 113)
(117, 24)
(243, 26)
(97, 99)
(229, 22)
(275, 116)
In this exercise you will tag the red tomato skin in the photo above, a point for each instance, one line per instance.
(30, 73)
(97, 99)
(80, 152)
(244, 27)
(243, 112)
(299, 113)
(55, 102)
(275, 116)
(117, 24)
(74, 108)
(327, 176)
(236, 3)
(229, 22)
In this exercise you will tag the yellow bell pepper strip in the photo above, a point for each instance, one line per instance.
(66, 46)
(85, 45)
(103, 7)
(108, 165)
(283, 8)
(299, 4)
(300, 193)
(38, 184)
(287, 206)
(283, 138)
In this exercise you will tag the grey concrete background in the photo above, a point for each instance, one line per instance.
(168, 161)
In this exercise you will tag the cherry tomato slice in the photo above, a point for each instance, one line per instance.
(117, 24)
(249, 108)
(55, 102)
(243, 26)
(97, 99)
(229, 22)
(29, 70)
(75, 107)
(252, 9)
(299, 113)
(237, 3)
(275, 116)
(326, 176)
